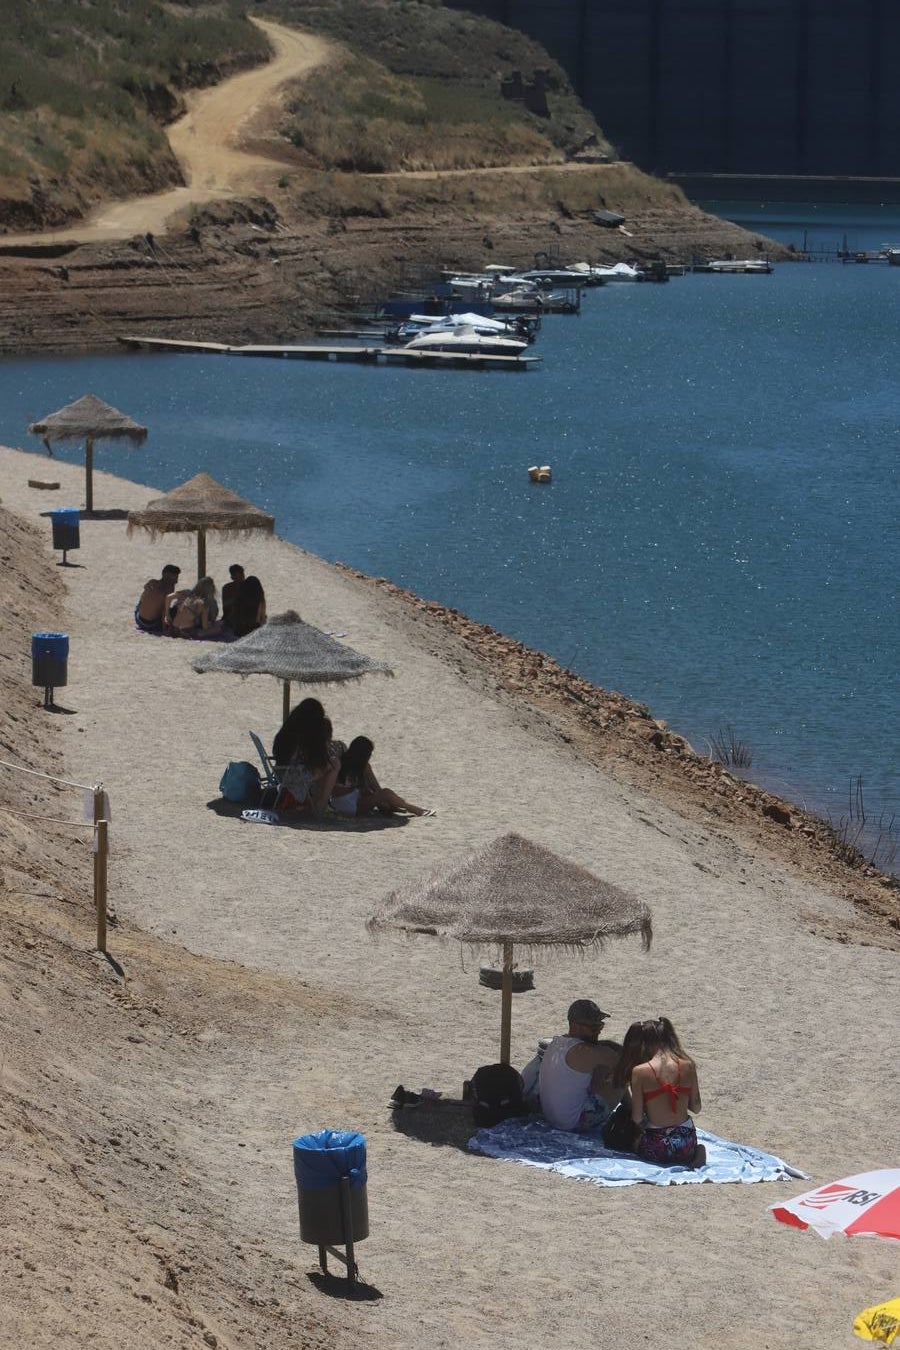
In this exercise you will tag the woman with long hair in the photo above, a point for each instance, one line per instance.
(308, 761)
(248, 608)
(665, 1090)
(194, 613)
(357, 791)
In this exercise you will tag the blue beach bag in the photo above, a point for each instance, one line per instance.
(241, 783)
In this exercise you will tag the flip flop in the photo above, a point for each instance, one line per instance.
(429, 814)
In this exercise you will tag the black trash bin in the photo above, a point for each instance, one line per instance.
(330, 1171)
(66, 529)
(49, 662)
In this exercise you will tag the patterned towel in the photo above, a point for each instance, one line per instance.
(538, 1144)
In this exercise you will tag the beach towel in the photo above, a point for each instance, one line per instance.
(537, 1144)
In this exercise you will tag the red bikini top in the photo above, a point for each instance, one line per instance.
(673, 1090)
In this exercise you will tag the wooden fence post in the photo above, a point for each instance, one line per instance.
(101, 855)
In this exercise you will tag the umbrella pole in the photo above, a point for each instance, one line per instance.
(201, 553)
(286, 700)
(89, 475)
(506, 1003)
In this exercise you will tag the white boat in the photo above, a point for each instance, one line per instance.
(466, 342)
(480, 322)
(599, 275)
(739, 265)
(550, 278)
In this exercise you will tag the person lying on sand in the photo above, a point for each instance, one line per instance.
(664, 1090)
(357, 791)
(194, 613)
(575, 1079)
(149, 610)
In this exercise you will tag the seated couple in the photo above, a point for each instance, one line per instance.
(317, 771)
(582, 1081)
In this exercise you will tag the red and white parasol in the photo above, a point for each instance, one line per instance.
(866, 1205)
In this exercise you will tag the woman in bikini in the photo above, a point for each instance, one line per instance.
(357, 791)
(664, 1092)
(194, 613)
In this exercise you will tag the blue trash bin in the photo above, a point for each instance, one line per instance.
(322, 1162)
(66, 528)
(49, 660)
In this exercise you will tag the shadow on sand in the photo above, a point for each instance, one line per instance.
(296, 820)
(337, 1286)
(444, 1122)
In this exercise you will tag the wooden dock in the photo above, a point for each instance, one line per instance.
(319, 352)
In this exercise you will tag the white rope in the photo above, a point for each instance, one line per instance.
(52, 820)
(51, 778)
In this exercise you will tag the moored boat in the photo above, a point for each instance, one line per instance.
(465, 341)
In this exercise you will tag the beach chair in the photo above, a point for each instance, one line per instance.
(270, 775)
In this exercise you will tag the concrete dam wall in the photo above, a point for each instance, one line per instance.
(802, 87)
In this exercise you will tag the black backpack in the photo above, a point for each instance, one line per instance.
(496, 1091)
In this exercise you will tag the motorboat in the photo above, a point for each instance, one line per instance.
(466, 341)
(530, 300)
(551, 278)
(741, 265)
(520, 327)
(600, 276)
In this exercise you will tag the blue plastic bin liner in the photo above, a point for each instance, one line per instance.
(320, 1160)
(52, 645)
(66, 515)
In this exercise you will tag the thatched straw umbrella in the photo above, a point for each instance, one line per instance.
(515, 893)
(290, 649)
(200, 504)
(88, 419)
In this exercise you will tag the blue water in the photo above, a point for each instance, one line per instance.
(719, 539)
(814, 227)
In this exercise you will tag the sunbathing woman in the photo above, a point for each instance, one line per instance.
(194, 613)
(357, 791)
(309, 762)
(664, 1090)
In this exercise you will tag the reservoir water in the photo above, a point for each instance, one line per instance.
(719, 540)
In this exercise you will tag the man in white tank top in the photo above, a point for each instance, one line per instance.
(576, 1073)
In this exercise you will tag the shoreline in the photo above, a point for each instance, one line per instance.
(152, 1098)
(257, 272)
(622, 734)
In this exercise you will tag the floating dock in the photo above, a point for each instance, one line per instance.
(319, 352)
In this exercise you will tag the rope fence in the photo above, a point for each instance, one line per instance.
(97, 813)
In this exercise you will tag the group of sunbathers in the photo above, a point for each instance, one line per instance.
(646, 1087)
(316, 771)
(194, 613)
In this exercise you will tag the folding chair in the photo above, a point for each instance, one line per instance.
(270, 775)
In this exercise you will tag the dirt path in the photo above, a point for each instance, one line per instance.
(206, 142)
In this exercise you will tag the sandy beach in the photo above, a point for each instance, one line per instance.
(252, 1007)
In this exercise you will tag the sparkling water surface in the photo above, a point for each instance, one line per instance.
(719, 540)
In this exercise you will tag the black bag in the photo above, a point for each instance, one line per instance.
(496, 1091)
(620, 1132)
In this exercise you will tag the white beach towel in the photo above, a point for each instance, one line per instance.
(538, 1144)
